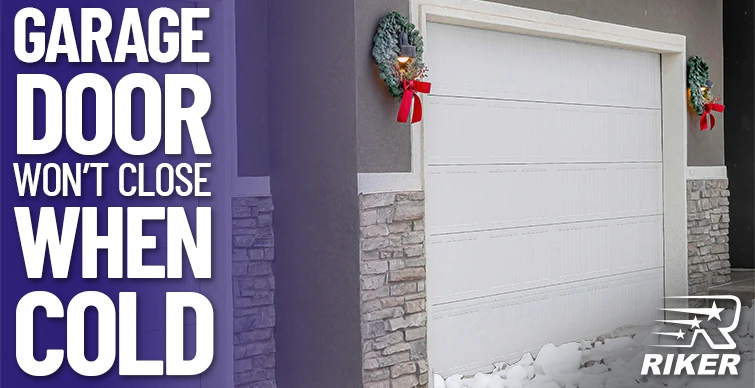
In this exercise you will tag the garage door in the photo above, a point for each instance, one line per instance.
(544, 193)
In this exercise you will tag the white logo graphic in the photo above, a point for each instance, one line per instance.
(674, 363)
(710, 313)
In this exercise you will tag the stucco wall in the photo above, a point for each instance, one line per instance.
(251, 88)
(383, 144)
(314, 184)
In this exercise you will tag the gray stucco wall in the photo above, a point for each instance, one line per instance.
(314, 184)
(384, 144)
(251, 88)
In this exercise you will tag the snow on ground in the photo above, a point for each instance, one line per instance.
(616, 361)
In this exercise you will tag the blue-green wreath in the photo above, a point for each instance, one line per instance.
(385, 50)
(700, 98)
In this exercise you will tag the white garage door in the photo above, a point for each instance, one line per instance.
(544, 193)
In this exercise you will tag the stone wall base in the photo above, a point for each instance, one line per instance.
(253, 293)
(392, 274)
(707, 234)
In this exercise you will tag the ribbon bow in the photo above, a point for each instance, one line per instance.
(708, 110)
(411, 88)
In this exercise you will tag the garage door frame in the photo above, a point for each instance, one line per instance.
(671, 47)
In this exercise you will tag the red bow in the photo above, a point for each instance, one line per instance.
(411, 88)
(707, 111)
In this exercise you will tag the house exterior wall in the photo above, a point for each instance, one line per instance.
(367, 322)
(383, 143)
(383, 146)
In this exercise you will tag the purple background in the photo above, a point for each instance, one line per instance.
(50, 333)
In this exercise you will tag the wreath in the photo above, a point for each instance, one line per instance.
(701, 99)
(386, 49)
(402, 75)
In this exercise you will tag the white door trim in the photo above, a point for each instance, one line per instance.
(671, 47)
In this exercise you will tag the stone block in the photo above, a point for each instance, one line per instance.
(370, 201)
(400, 227)
(387, 340)
(374, 267)
(407, 274)
(372, 330)
(415, 333)
(396, 348)
(409, 211)
(401, 289)
(393, 312)
(372, 282)
(415, 306)
(385, 215)
(380, 384)
(392, 301)
(375, 243)
(376, 294)
(377, 375)
(413, 238)
(408, 381)
(403, 369)
(368, 218)
(375, 230)
(414, 250)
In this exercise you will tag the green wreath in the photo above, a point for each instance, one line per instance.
(699, 84)
(386, 49)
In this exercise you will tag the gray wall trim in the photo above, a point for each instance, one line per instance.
(707, 173)
(252, 144)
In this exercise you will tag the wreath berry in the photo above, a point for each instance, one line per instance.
(700, 98)
(386, 49)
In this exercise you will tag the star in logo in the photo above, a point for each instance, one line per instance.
(692, 323)
(711, 312)
(678, 335)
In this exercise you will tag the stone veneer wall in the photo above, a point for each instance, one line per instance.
(253, 293)
(708, 234)
(392, 278)
(392, 274)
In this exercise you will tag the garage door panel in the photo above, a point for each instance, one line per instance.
(544, 193)
(473, 198)
(480, 264)
(477, 131)
(475, 334)
(481, 63)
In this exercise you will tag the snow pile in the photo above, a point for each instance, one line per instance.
(616, 362)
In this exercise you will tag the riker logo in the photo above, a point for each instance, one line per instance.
(710, 364)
